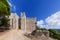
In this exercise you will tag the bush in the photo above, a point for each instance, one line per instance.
(54, 34)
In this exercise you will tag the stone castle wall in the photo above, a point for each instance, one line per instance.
(30, 24)
(23, 22)
(27, 24)
(14, 21)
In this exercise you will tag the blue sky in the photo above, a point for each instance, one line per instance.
(42, 9)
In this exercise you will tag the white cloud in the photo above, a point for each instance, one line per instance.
(14, 8)
(10, 4)
(40, 23)
(52, 21)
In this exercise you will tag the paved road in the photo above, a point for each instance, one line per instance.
(14, 35)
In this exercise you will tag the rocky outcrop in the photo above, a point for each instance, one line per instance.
(39, 35)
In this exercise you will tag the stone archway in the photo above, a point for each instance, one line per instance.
(19, 23)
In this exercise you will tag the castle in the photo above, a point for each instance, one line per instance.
(28, 26)
(23, 23)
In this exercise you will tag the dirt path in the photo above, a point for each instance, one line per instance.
(14, 35)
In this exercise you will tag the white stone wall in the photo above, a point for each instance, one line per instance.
(23, 21)
(10, 17)
(30, 24)
(14, 21)
(27, 24)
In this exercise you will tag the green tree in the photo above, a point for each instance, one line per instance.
(37, 28)
(54, 34)
(4, 8)
(4, 11)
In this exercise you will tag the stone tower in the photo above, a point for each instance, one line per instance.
(27, 24)
(23, 21)
(14, 21)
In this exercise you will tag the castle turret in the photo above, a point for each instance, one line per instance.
(23, 21)
(14, 20)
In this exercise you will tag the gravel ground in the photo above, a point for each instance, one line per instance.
(13, 35)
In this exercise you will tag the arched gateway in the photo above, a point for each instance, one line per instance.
(26, 24)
